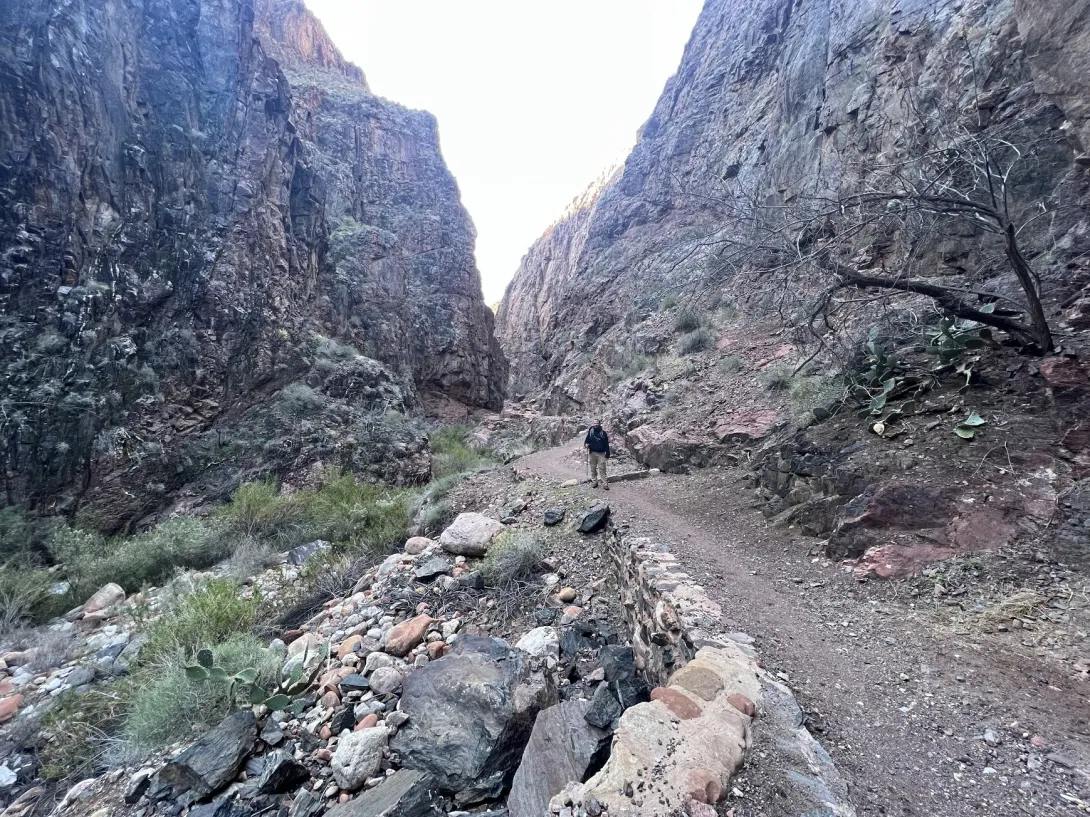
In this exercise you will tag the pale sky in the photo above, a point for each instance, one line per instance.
(535, 98)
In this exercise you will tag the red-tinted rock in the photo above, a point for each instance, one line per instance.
(1066, 377)
(703, 786)
(367, 722)
(743, 704)
(436, 649)
(330, 700)
(681, 705)
(406, 635)
(9, 706)
(896, 561)
(349, 645)
(746, 426)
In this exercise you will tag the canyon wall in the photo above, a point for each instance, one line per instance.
(777, 98)
(218, 250)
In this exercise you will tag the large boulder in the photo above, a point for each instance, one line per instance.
(470, 534)
(668, 450)
(210, 763)
(406, 793)
(470, 716)
(563, 747)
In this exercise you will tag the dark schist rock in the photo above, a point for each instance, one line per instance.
(617, 662)
(604, 708)
(303, 553)
(470, 716)
(594, 519)
(281, 772)
(233, 191)
(210, 763)
(306, 803)
(432, 569)
(563, 748)
(553, 516)
(405, 793)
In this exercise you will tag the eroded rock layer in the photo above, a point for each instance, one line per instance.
(201, 203)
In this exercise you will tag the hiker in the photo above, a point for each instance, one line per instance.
(597, 445)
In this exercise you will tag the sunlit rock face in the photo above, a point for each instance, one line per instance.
(201, 202)
(770, 96)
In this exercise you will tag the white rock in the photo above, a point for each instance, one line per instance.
(540, 642)
(358, 757)
(417, 545)
(377, 660)
(385, 680)
(7, 777)
(107, 596)
(470, 534)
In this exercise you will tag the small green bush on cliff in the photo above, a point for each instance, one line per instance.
(201, 619)
(167, 706)
(452, 452)
(513, 557)
(686, 321)
(699, 340)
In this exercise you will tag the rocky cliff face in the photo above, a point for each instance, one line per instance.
(770, 97)
(217, 249)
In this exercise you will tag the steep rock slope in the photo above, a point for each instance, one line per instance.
(770, 97)
(201, 202)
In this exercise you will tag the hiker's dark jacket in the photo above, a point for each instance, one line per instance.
(598, 441)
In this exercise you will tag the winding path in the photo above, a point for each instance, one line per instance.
(901, 704)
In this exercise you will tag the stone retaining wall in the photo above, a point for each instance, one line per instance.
(713, 703)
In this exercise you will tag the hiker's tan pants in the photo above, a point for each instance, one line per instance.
(597, 464)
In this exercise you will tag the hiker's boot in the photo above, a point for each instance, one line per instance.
(594, 485)
(605, 485)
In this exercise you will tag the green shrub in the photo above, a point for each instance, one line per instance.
(297, 400)
(639, 363)
(452, 453)
(252, 556)
(514, 556)
(809, 393)
(166, 706)
(149, 558)
(23, 538)
(79, 730)
(204, 618)
(669, 301)
(697, 341)
(777, 377)
(436, 517)
(260, 510)
(359, 517)
(731, 365)
(24, 596)
(686, 321)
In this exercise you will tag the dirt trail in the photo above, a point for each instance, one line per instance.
(919, 721)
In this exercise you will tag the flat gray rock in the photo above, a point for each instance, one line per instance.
(562, 747)
(213, 761)
(407, 793)
(470, 716)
